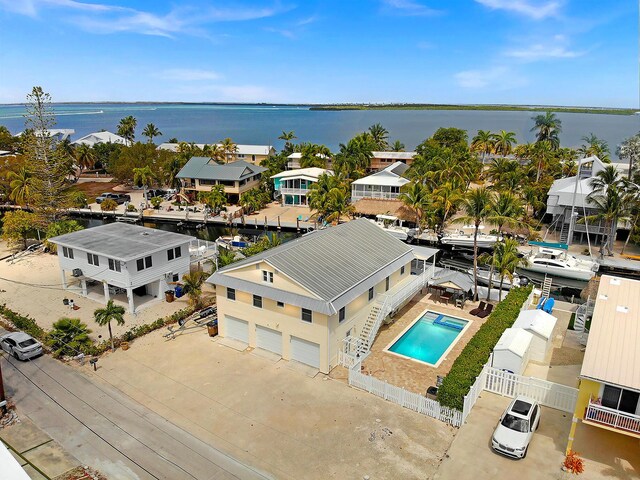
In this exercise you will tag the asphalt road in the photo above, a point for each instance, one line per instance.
(109, 431)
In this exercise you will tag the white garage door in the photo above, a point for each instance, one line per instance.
(305, 352)
(269, 339)
(237, 329)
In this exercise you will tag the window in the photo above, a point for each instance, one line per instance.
(620, 399)
(257, 301)
(143, 263)
(67, 252)
(281, 304)
(371, 294)
(306, 315)
(267, 276)
(174, 253)
(175, 278)
(170, 254)
(342, 313)
(231, 293)
(178, 251)
(114, 265)
(402, 270)
(93, 259)
(386, 284)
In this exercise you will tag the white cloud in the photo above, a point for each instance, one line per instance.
(499, 77)
(410, 8)
(556, 47)
(535, 9)
(188, 75)
(228, 93)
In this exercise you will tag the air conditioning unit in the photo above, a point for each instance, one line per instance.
(77, 272)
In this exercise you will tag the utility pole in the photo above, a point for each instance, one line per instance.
(3, 400)
(573, 206)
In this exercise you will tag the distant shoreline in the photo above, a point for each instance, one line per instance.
(382, 106)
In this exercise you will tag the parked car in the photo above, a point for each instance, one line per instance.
(119, 198)
(155, 193)
(515, 429)
(20, 345)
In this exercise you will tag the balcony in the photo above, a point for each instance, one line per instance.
(358, 194)
(615, 419)
(294, 191)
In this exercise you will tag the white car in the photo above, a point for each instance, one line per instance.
(515, 430)
(20, 345)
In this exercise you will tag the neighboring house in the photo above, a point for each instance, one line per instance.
(380, 160)
(609, 392)
(201, 173)
(303, 299)
(100, 137)
(60, 134)
(293, 160)
(131, 264)
(293, 185)
(385, 184)
(253, 154)
(561, 202)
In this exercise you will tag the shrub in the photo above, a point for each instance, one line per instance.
(60, 228)
(476, 353)
(573, 463)
(108, 205)
(131, 208)
(70, 337)
(26, 324)
(156, 202)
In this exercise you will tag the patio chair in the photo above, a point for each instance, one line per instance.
(485, 313)
(479, 308)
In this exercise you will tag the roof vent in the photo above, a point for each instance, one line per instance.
(144, 234)
(622, 309)
(603, 297)
(615, 281)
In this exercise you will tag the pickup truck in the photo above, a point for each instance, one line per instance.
(119, 198)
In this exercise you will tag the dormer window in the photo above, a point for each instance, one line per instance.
(267, 276)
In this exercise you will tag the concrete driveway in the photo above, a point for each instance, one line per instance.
(267, 413)
(471, 457)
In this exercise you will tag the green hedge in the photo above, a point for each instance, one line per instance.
(476, 353)
(26, 324)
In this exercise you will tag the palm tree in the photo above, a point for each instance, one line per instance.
(215, 199)
(506, 259)
(595, 146)
(379, 135)
(477, 207)
(610, 208)
(229, 148)
(85, 157)
(339, 205)
(415, 196)
(20, 183)
(447, 198)
(319, 193)
(192, 285)
(69, 336)
(111, 311)
(632, 202)
(541, 153)
(287, 137)
(483, 143)
(504, 142)
(548, 127)
(605, 179)
(143, 176)
(151, 131)
(127, 129)
(397, 146)
(217, 153)
(314, 155)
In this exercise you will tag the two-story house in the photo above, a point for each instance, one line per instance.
(609, 392)
(253, 154)
(384, 185)
(131, 264)
(97, 138)
(293, 185)
(201, 173)
(302, 299)
(380, 160)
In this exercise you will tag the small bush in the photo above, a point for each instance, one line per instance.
(476, 353)
(131, 208)
(156, 202)
(26, 324)
(108, 205)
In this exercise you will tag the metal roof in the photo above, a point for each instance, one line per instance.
(394, 155)
(536, 321)
(121, 241)
(613, 347)
(445, 275)
(207, 169)
(311, 172)
(336, 263)
(100, 137)
(424, 253)
(240, 149)
(514, 340)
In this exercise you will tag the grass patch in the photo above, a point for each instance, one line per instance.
(572, 321)
(476, 353)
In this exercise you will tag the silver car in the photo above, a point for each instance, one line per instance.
(515, 430)
(20, 345)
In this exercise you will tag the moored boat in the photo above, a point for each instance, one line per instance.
(553, 259)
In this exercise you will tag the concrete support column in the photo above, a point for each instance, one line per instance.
(106, 291)
(64, 279)
(130, 298)
(83, 283)
(572, 433)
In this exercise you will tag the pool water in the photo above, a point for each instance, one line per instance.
(429, 337)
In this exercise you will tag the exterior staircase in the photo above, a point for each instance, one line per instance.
(546, 287)
(583, 313)
(564, 233)
(371, 325)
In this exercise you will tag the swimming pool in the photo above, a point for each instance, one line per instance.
(429, 338)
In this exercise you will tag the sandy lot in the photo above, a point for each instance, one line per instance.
(269, 414)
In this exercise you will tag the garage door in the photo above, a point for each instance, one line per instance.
(237, 329)
(305, 352)
(269, 339)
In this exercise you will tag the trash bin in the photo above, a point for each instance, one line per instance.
(179, 291)
(212, 328)
(432, 393)
(169, 296)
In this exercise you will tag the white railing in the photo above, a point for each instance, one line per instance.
(547, 393)
(613, 418)
(357, 195)
(294, 191)
(404, 398)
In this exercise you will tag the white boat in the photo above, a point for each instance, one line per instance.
(483, 278)
(559, 263)
(462, 239)
(393, 227)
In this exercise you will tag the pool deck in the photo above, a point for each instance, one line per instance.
(410, 374)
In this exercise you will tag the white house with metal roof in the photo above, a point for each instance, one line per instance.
(293, 185)
(609, 392)
(253, 154)
(201, 173)
(100, 137)
(380, 160)
(127, 263)
(385, 184)
(310, 298)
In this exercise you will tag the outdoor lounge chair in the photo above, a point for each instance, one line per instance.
(485, 313)
(479, 308)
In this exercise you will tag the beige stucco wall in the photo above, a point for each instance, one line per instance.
(280, 281)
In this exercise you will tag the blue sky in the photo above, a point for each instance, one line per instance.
(560, 52)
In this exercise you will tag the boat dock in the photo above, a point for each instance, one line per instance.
(619, 266)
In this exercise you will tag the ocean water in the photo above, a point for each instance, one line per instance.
(262, 124)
